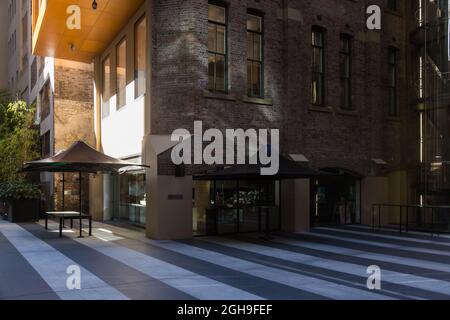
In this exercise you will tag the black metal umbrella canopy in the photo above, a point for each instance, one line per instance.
(288, 169)
(79, 158)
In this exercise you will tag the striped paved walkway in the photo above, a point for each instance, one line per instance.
(119, 264)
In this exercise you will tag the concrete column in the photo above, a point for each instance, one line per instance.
(108, 197)
(96, 197)
(149, 73)
(96, 182)
(169, 204)
(374, 190)
(295, 205)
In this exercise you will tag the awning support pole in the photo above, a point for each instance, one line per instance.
(63, 192)
(81, 205)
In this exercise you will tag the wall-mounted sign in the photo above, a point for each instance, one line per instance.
(176, 197)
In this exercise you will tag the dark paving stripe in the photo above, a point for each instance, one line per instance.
(401, 289)
(295, 267)
(258, 286)
(423, 272)
(394, 232)
(132, 283)
(374, 249)
(367, 237)
(18, 279)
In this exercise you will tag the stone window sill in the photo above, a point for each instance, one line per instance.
(259, 101)
(351, 113)
(393, 118)
(321, 109)
(219, 95)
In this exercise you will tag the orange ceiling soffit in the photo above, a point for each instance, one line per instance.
(53, 38)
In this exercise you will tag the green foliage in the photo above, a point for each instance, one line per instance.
(19, 191)
(19, 139)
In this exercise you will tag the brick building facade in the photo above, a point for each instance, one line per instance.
(338, 92)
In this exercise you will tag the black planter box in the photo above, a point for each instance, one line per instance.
(23, 211)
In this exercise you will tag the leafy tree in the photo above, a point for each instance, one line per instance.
(19, 139)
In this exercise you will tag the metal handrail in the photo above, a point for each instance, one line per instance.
(404, 225)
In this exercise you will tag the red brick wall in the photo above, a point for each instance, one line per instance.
(328, 139)
(73, 121)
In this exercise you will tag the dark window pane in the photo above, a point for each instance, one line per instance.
(45, 100)
(212, 37)
(217, 47)
(253, 23)
(257, 47)
(345, 94)
(211, 71)
(121, 72)
(317, 89)
(318, 67)
(249, 78)
(220, 47)
(250, 46)
(345, 66)
(216, 13)
(317, 60)
(317, 38)
(254, 56)
(106, 87)
(220, 73)
(392, 61)
(140, 57)
(345, 45)
(256, 81)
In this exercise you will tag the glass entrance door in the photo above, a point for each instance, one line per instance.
(337, 201)
(132, 198)
(226, 207)
(226, 200)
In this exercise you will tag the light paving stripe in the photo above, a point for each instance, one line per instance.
(321, 287)
(266, 289)
(52, 266)
(184, 280)
(409, 280)
(372, 256)
(132, 283)
(378, 235)
(378, 244)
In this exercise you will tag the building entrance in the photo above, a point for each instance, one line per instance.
(336, 199)
(231, 206)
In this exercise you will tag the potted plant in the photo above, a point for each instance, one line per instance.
(23, 200)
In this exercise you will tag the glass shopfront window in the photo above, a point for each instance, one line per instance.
(226, 196)
(204, 217)
(133, 198)
(230, 206)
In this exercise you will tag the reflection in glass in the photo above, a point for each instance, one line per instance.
(133, 199)
(226, 206)
(140, 57)
(106, 95)
(204, 218)
(121, 71)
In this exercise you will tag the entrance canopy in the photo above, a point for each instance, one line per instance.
(79, 158)
(288, 169)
